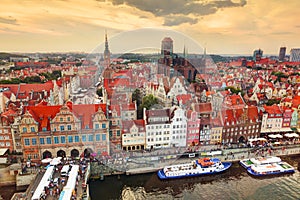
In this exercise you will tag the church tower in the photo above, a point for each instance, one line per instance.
(106, 53)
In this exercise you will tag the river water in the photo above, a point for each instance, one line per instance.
(232, 184)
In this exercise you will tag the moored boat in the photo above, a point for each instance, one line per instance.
(263, 166)
(197, 167)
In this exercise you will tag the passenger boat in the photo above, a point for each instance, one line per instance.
(263, 166)
(197, 167)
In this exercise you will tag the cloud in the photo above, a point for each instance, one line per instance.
(8, 20)
(176, 20)
(180, 8)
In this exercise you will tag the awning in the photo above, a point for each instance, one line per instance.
(3, 151)
(275, 136)
(291, 135)
(287, 129)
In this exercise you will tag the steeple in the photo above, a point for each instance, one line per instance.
(106, 52)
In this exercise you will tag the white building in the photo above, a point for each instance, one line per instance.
(158, 128)
(133, 135)
(272, 119)
(179, 128)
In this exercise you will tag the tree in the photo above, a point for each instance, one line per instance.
(149, 101)
(137, 96)
(99, 92)
(233, 90)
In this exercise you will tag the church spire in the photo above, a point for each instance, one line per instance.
(106, 52)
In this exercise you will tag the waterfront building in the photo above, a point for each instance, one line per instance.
(204, 112)
(294, 119)
(133, 135)
(295, 55)
(158, 128)
(193, 128)
(178, 127)
(115, 125)
(240, 124)
(67, 130)
(272, 119)
(216, 131)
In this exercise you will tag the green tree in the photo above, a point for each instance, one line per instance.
(137, 96)
(233, 90)
(99, 92)
(149, 101)
(272, 102)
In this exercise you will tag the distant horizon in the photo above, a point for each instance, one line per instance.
(82, 52)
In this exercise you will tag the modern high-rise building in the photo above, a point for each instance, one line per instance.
(295, 55)
(257, 54)
(167, 47)
(282, 52)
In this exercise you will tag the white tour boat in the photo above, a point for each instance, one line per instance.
(197, 167)
(263, 166)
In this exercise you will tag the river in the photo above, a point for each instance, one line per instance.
(232, 184)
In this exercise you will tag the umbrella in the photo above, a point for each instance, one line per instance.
(46, 160)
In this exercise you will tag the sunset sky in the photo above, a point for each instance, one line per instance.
(222, 26)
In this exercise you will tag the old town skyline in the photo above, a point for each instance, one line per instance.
(224, 27)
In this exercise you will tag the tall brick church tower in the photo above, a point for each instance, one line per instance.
(106, 53)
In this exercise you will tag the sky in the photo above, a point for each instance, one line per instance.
(221, 26)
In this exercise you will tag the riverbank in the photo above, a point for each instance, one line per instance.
(150, 164)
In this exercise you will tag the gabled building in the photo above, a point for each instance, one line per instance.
(204, 112)
(133, 135)
(158, 128)
(179, 127)
(68, 130)
(240, 124)
(193, 128)
(272, 119)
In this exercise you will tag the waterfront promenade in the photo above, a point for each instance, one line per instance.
(153, 161)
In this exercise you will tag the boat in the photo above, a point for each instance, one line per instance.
(201, 166)
(263, 166)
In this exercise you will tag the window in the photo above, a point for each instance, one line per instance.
(70, 138)
(26, 141)
(42, 140)
(45, 129)
(83, 138)
(48, 140)
(90, 138)
(33, 141)
(98, 137)
(103, 125)
(7, 144)
(62, 128)
(118, 132)
(32, 129)
(76, 138)
(87, 127)
(61, 119)
(103, 137)
(69, 119)
(110, 134)
(56, 140)
(24, 130)
(96, 126)
(69, 127)
(63, 139)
